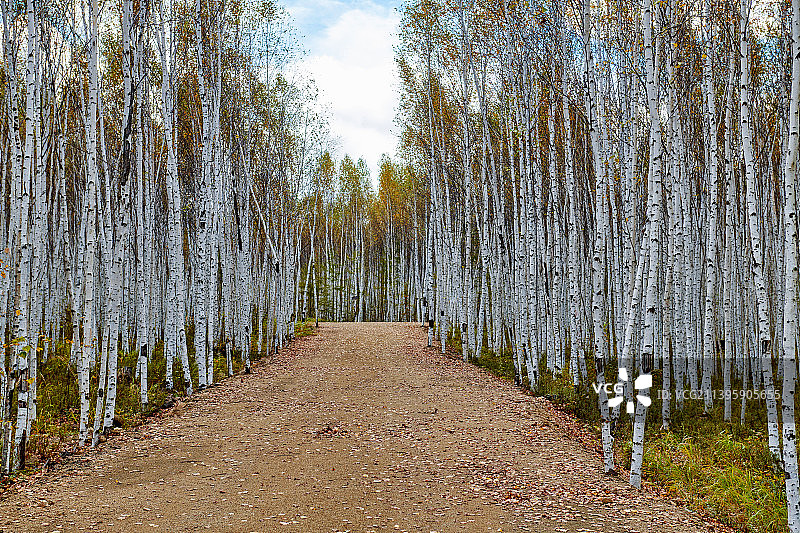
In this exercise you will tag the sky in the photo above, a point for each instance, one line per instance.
(350, 56)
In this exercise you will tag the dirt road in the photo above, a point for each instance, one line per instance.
(358, 428)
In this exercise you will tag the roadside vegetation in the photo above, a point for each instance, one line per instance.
(55, 429)
(722, 470)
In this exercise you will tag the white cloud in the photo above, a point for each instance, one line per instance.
(352, 62)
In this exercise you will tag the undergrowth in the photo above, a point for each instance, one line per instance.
(722, 469)
(304, 329)
(501, 365)
(726, 474)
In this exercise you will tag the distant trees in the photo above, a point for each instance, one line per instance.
(154, 155)
(360, 251)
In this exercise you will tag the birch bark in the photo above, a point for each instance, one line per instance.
(754, 226)
(654, 220)
(791, 299)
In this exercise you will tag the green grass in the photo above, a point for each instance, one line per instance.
(304, 329)
(56, 405)
(501, 365)
(58, 401)
(727, 475)
(581, 401)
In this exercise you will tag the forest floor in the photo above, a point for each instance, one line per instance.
(359, 427)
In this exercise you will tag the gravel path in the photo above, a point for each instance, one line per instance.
(357, 428)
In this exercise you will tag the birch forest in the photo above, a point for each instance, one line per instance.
(610, 194)
(153, 160)
(600, 197)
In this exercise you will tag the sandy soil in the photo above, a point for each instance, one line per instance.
(357, 428)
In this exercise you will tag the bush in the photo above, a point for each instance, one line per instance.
(500, 364)
(722, 474)
(304, 329)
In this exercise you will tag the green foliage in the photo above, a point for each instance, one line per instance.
(726, 474)
(453, 341)
(220, 362)
(128, 406)
(304, 329)
(157, 374)
(581, 401)
(58, 400)
(157, 370)
(57, 387)
(56, 404)
(500, 364)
